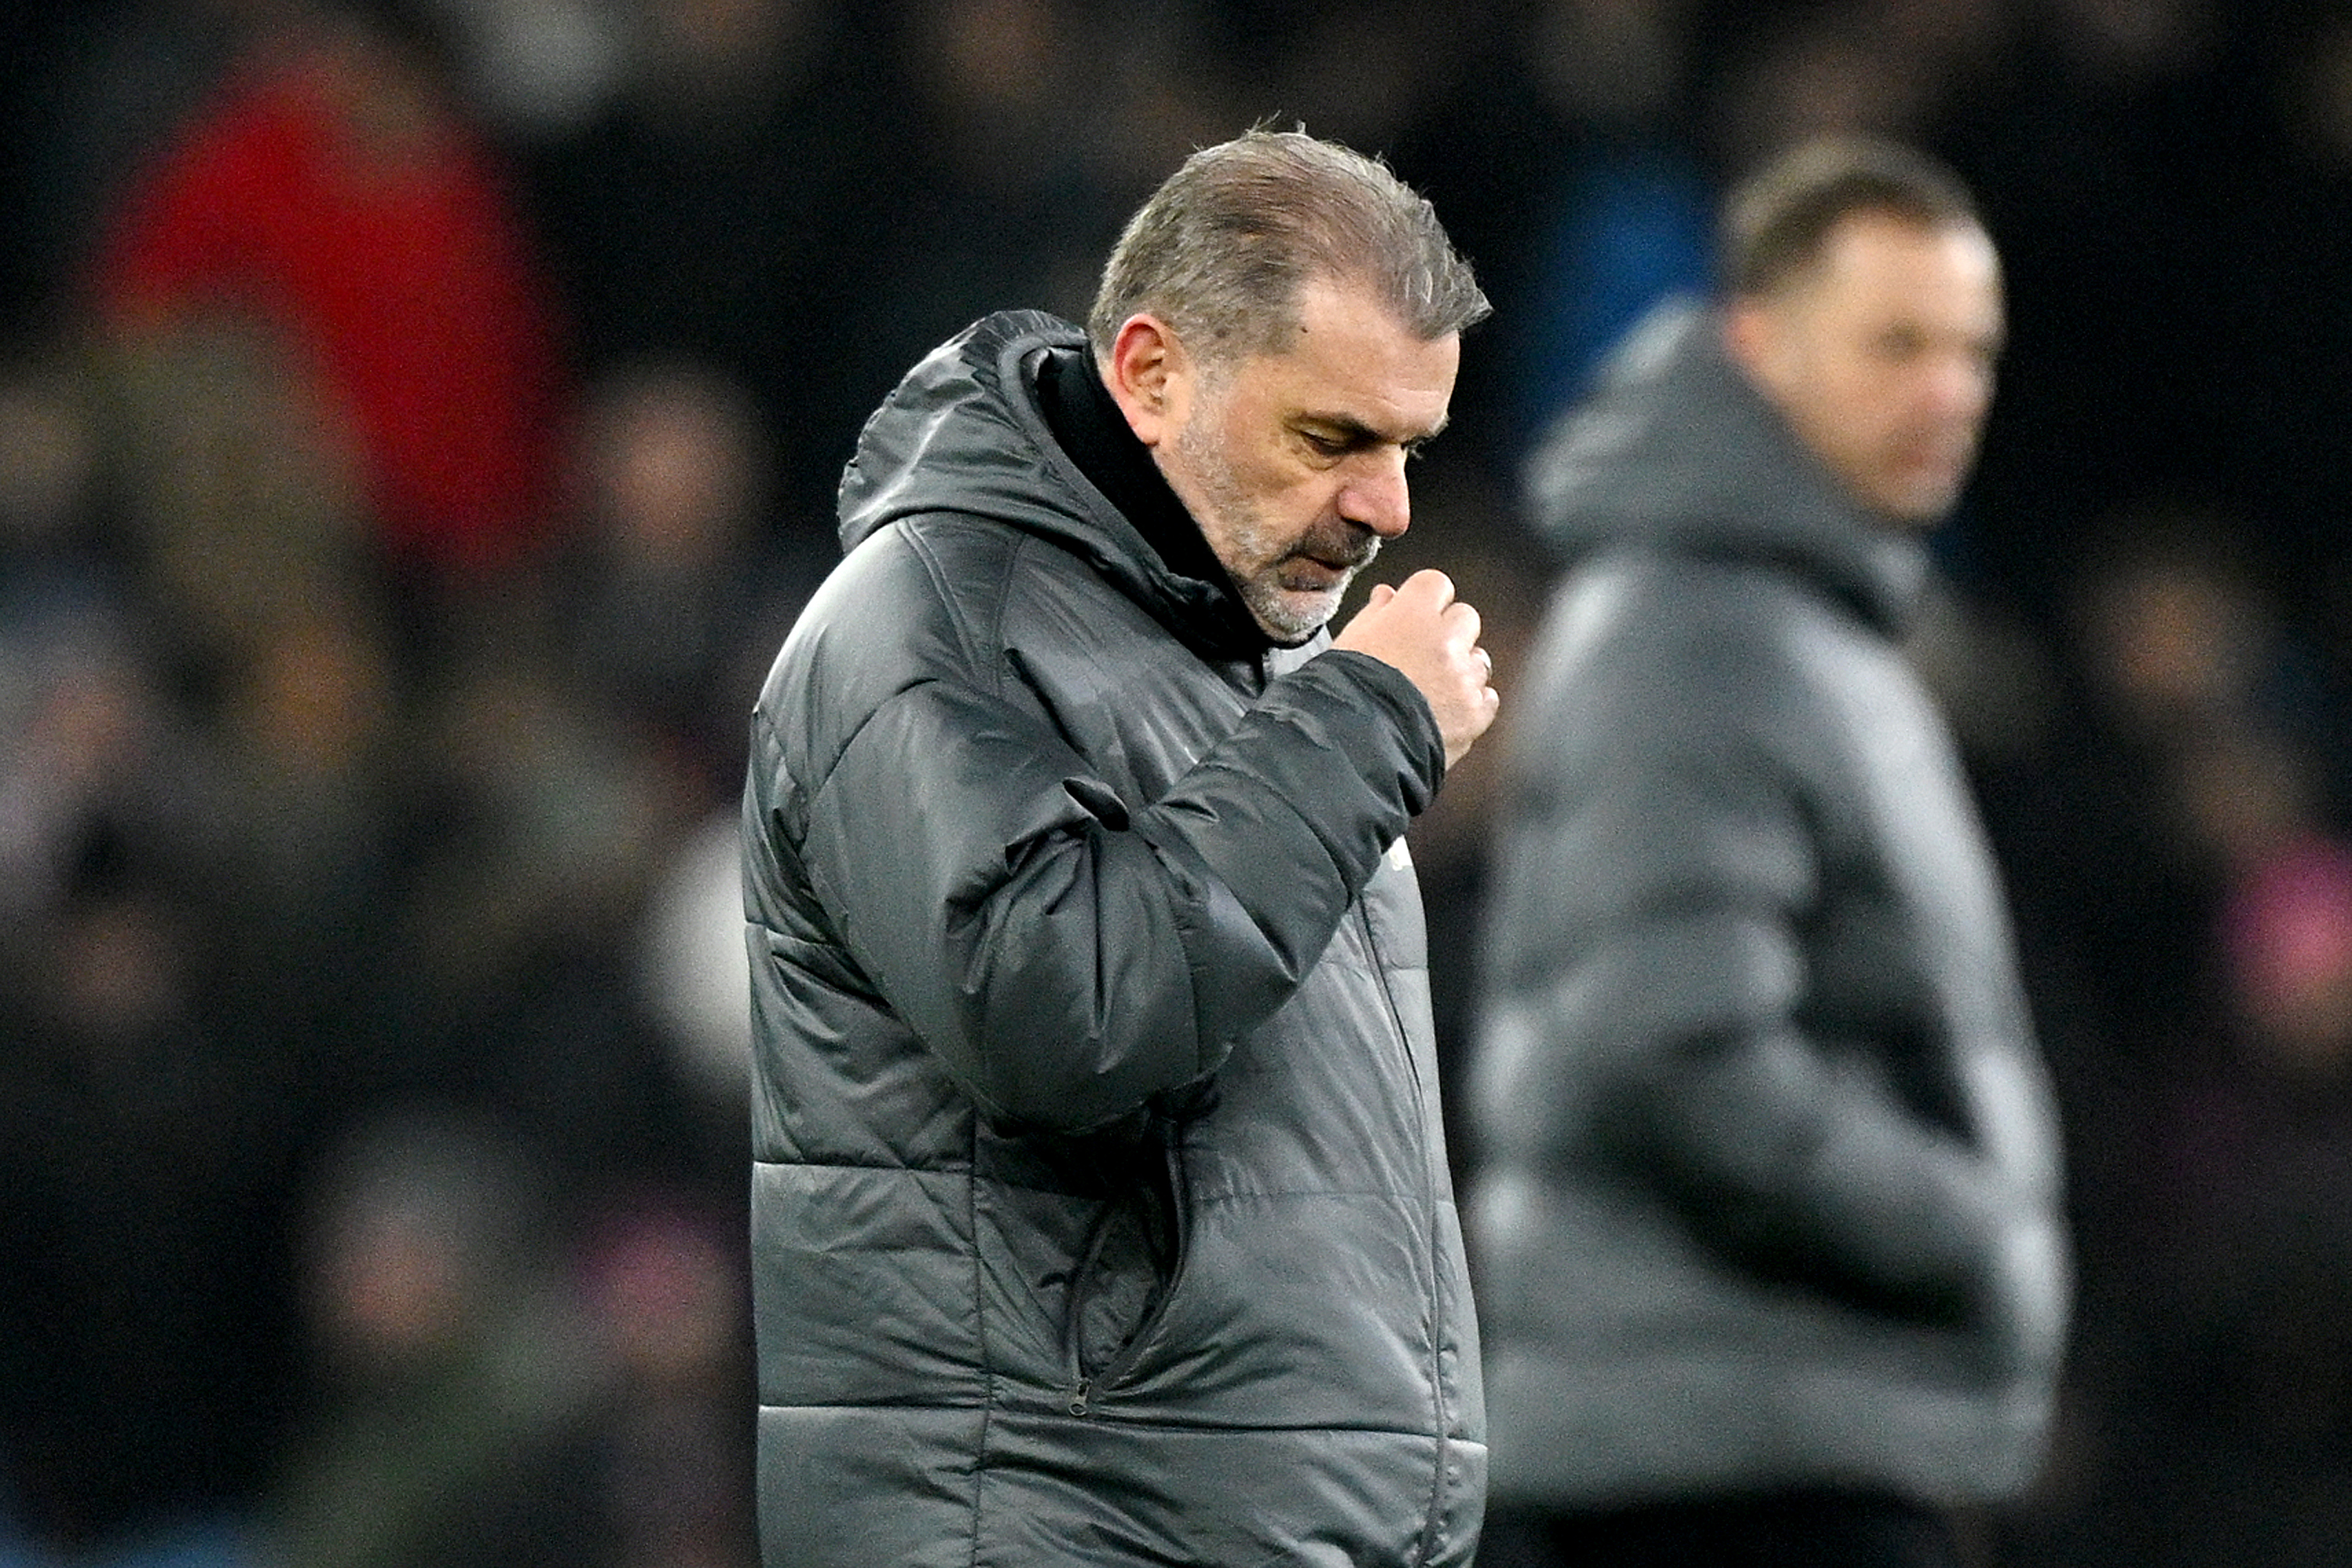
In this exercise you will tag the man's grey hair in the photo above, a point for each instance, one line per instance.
(1222, 249)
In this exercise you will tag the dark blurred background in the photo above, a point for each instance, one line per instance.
(418, 424)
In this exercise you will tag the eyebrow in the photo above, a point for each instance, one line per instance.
(1356, 433)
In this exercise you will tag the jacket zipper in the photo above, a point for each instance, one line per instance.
(1444, 1443)
(1082, 1396)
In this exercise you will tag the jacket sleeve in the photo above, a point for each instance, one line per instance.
(1661, 1018)
(1067, 954)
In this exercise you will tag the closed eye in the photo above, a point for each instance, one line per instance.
(1336, 438)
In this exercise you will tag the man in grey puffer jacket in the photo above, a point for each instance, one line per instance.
(1099, 1207)
(1766, 1206)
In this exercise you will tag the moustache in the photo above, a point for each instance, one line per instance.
(1344, 545)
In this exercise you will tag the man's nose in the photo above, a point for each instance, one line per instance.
(1375, 494)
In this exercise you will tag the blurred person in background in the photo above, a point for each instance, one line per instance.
(145, 1374)
(332, 196)
(663, 1284)
(1767, 1200)
(455, 1378)
(675, 585)
(2215, 1432)
(2185, 857)
(545, 821)
(2184, 662)
(1100, 1203)
(146, 1139)
(250, 570)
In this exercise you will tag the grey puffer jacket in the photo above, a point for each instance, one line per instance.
(1099, 1206)
(1766, 1186)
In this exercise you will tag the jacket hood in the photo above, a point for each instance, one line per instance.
(1676, 449)
(963, 432)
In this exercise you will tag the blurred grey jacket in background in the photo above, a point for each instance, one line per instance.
(1767, 1187)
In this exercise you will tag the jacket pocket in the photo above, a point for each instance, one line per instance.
(1130, 1269)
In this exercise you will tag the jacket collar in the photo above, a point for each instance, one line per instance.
(964, 432)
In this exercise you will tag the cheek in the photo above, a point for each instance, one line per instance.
(1886, 402)
(1261, 464)
(1856, 407)
(1278, 489)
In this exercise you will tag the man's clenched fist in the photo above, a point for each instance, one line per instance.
(1424, 631)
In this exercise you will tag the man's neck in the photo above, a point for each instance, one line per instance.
(1085, 419)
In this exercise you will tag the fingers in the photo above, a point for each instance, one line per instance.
(1427, 592)
(1431, 586)
(1460, 624)
(1430, 593)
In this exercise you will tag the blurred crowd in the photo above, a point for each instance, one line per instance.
(418, 426)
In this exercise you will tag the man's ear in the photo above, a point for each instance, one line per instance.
(1151, 378)
(1765, 339)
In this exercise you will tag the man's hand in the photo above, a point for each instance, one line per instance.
(1433, 637)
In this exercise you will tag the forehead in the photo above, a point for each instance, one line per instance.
(1351, 360)
(1878, 264)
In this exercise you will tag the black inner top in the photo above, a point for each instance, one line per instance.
(1087, 421)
